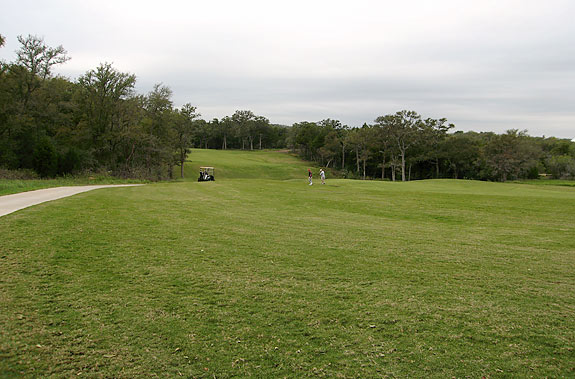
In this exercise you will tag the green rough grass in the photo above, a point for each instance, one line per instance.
(549, 182)
(236, 164)
(11, 186)
(273, 278)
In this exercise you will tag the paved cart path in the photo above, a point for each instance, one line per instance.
(15, 202)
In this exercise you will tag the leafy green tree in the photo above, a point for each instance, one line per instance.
(434, 133)
(462, 151)
(205, 132)
(101, 99)
(381, 144)
(361, 140)
(225, 127)
(260, 128)
(28, 104)
(558, 146)
(8, 158)
(70, 161)
(277, 135)
(244, 123)
(332, 143)
(159, 124)
(509, 154)
(331, 148)
(561, 166)
(308, 137)
(184, 127)
(45, 158)
(405, 129)
(38, 59)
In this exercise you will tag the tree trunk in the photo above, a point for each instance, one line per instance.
(260, 141)
(393, 172)
(182, 161)
(357, 158)
(436, 168)
(342, 156)
(409, 174)
(383, 168)
(364, 168)
(403, 166)
(224, 145)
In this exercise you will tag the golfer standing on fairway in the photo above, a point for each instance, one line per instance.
(309, 175)
(322, 175)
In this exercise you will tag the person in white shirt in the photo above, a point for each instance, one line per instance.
(322, 175)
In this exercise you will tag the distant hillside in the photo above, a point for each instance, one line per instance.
(241, 164)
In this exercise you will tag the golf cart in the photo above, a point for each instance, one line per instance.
(206, 174)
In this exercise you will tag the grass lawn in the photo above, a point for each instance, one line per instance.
(259, 274)
(10, 186)
(549, 182)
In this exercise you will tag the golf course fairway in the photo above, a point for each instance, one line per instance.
(259, 274)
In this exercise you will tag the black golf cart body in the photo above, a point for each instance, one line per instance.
(206, 174)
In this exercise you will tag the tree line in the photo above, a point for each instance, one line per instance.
(55, 126)
(404, 146)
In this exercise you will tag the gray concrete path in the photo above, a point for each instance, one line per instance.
(15, 202)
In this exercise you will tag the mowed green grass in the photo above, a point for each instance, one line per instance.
(275, 278)
(237, 164)
(11, 186)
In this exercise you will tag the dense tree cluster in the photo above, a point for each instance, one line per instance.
(403, 145)
(55, 126)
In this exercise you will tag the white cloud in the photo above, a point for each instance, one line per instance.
(490, 65)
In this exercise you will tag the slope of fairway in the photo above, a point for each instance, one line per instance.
(274, 278)
(246, 164)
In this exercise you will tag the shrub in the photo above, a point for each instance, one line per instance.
(69, 162)
(45, 158)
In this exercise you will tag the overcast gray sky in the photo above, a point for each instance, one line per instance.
(484, 65)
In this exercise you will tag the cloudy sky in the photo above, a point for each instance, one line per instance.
(484, 65)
